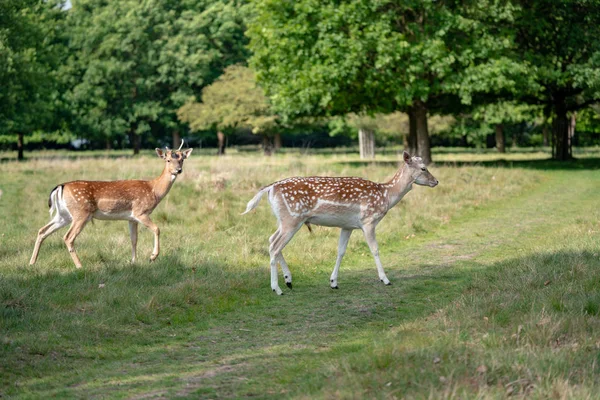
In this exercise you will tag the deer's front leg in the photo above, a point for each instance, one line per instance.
(342, 245)
(144, 219)
(369, 231)
(133, 234)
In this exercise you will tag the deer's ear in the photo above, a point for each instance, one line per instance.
(406, 157)
(186, 153)
(160, 152)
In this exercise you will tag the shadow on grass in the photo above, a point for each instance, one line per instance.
(236, 326)
(547, 165)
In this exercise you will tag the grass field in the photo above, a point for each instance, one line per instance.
(496, 286)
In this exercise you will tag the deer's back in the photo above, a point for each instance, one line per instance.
(109, 199)
(331, 201)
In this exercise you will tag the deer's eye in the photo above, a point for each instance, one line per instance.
(168, 160)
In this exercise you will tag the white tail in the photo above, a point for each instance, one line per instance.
(346, 203)
(132, 200)
(53, 200)
(252, 204)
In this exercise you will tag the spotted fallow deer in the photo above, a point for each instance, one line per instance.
(131, 200)
(346, 203)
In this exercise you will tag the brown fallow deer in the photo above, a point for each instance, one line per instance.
(131, 200)
(347, 203)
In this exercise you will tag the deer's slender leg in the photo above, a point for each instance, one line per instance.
(342, 244)
(144, 219)
(273, 262)
(43, 233)
(133, 234)
(369, 232)
(75, 229)
(286, 233)
(273, 236)
(287, 274)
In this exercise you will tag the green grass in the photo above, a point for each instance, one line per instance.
(495, 286)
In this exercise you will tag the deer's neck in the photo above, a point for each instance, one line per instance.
(162, 184)
(399, 185)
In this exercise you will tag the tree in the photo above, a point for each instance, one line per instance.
(234, 100)
(559, 42)
(136, 62)
(356, 56)
(29, 52)
(498, 114)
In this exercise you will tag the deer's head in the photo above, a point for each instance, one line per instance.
(418, 171)
(174, 159)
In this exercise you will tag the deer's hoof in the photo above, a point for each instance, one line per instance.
(335, 287)
(289, 284)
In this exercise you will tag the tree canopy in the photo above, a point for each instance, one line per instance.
(136, 62)
(115, 72)
(559, 42)
(234, 100)
(30, 49)
(331, 57)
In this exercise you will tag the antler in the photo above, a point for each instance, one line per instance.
(181, 145)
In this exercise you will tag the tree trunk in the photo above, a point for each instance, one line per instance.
(134, 139)
(500, 138)
(176, 136)
(107, 143)
(423, 146)
(277, 141)
(221, 139)
(572, 125)
(545, 133)
(266, 145)
(20, 156)
(137, 141)
(412, 132)
(560, 131)
(366, 143)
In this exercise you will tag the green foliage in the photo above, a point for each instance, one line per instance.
(136, 62)
(389, 128)
(588, 120)
(505, 112)
(234, 100)
(559, 42)
(335, 57)
(30, 49)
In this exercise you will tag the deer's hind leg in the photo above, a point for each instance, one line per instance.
(280, 239)
(44, 232)
(133, 235)
(74, 231)
(287, 275)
